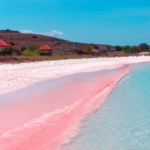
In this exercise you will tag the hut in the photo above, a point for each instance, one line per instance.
(95, 52)
(46, 50)
(4, 45)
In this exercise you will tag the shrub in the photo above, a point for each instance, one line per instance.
(126, 49)
(143, 47)
(58, 43)
(34, 48)
(118, 48)
(28, 52)
(148, 50)
(23, 48)
(10, 51)
(12, 43)
(34, 36)
(6, 51)
(78, 51)
(133, 50)
(32, 51)
(59, 52)
(15, 52)
(88, 49)
(95, 47)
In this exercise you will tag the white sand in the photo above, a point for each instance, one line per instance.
(16, 76)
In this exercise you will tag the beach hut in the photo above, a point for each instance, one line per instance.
(94, 51)
(46, 50)
(5, 45)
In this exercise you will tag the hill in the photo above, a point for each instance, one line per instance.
(18, 40)
(26, 47)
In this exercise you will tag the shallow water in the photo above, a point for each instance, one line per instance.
(42, 116)
(123, 121)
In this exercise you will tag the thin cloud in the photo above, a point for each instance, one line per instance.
(52, 33)
(27, 31)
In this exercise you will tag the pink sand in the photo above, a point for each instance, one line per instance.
(16, 76)
(47, 117)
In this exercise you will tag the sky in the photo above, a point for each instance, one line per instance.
(112, 22)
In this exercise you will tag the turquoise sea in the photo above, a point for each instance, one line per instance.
(123, 121)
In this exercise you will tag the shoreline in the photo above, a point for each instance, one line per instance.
(119, 115)
(17, 76)
(69, 86)
(61, 124)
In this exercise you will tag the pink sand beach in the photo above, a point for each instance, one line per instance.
(43, 103)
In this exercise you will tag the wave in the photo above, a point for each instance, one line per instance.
(52, 130)
(125, 78)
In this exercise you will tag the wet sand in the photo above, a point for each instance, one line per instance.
(64, 98)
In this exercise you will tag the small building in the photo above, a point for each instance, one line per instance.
(4, 45)
(94, 51)
(46, 50)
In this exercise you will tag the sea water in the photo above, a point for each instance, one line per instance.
(123, 121)
(45, 115)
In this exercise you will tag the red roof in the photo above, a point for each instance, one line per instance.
(94, 51)
(45, 47)
(4, 44)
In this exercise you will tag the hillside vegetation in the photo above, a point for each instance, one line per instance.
(26, 47)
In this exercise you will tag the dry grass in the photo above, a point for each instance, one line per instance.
(19, 59)
(22, 58)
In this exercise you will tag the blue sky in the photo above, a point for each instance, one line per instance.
(91, 21)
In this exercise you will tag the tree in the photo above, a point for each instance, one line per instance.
(133, 50)
(23, 48)
(95, 47)
(118, 48)
(78, 51)
(88, 49)
(32, 51)
(12, 43)
(143, 47)
(126, 49)
(34, 36)
(84, 49)
(34, 48)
